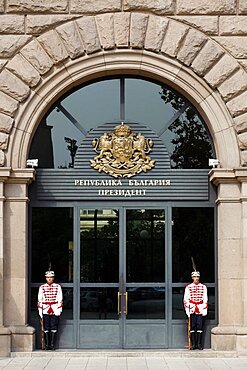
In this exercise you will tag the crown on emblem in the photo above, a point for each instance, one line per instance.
(122, 130)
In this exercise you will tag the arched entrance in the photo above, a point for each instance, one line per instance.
(143, 64)
(121, 242)
(49, 65)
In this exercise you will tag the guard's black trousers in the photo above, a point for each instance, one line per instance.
(196, 323)
(50, 322)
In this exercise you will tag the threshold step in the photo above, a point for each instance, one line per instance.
(207, 353)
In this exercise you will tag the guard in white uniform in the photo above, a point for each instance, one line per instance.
(50, 303)
(196, 308)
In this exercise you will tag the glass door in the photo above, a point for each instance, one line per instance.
(122, 278)
(145, 279)
(99, 271)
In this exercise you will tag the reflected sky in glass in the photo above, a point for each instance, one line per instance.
(143, 104)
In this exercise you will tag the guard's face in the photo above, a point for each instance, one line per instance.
(49, 280)
(196, 279)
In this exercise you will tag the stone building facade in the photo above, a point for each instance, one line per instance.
(199, 48)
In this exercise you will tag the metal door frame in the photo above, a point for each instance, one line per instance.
(123, 206)
(122, 284)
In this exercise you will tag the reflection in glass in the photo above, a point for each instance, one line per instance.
(187, 140)
(80, 106)
(67, 313)
(95, 103)
(177, 303)
(145, 243)
(178, 311)
(52, 242)
(148, 102)
(99, 230)
(211, 304)
(33, 303)
(98, 303)
(144, 103)
(146, 303)
(193, 235)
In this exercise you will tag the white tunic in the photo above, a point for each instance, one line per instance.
(50, 299)
(196, 299)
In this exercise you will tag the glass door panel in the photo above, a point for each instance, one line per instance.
(192, 236)
(52, 246)
(52, 243)
(99, 301)
(145, 243)
(146, 303)
(145, 295)
(99, 234)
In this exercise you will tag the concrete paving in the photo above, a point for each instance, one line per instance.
(136, 360)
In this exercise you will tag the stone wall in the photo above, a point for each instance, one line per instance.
(210, 37)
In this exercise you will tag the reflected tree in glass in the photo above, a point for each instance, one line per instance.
(191, 144)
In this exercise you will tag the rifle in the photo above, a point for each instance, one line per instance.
(189, 340)
(42, 331)
(42, 334)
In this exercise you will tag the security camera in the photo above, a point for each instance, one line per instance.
(213, 162)
(32, 163)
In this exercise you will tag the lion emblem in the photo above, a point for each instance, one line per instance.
(122, 153)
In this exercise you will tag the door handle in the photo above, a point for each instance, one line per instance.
(118, 303)
(126, 303)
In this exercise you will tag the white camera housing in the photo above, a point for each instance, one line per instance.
(32, 163)
(213, 162)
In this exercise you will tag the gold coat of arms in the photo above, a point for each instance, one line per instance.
(122, 153)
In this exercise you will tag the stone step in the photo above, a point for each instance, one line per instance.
(207, 353)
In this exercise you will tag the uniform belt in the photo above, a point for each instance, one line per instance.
(196, 303)
(50, 310)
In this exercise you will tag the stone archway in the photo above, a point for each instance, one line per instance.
(144, 44)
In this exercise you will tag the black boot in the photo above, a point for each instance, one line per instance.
(199, 340)
(47, 340)
(53, 339)
(193, 340)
